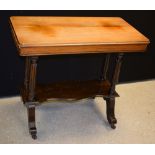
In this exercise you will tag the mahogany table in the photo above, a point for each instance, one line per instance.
(42, 36)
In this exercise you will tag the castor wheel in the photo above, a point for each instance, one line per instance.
(113, 126)
(33, 132)
(34, 136)
(114, 120)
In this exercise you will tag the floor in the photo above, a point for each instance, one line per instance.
(84, 121)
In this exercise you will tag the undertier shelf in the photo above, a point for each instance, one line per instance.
(71, 90)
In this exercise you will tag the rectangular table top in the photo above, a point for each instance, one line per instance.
(40, 35)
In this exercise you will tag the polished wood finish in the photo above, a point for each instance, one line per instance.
(110, 101)
(110, 110)
(39, 36)
(116, 72)
(74, 35)
(30, 77)
(72, 90)
(106, 67)
(31, 119)
(27, 72)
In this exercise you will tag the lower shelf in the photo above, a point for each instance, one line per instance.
(73, 90)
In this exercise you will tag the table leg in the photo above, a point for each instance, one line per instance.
(104, 70)
(31, 95)
(106, 67)
(31, 120)
(26, 80)
(110, 101)
(116, 72)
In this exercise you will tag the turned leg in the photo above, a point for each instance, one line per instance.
(26, 80)
(104, 70)
(31, 120)
(110, 101)
(116, 73)
(31, 95)
(105, 67)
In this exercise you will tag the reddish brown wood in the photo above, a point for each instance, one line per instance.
(116, 72)
(31, 119)
(110, 109)
(105, 67)
(32, 78)
(74, 35)
(110, 102)
(39, 36)
(72, 90)
(27, 75)
(31, 94)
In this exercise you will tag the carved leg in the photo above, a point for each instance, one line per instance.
(116, 73)
(31, 94)
(111, 100)
(104, 71)
(31, 120)
(110, 103)
(26, 80)
(106, 67)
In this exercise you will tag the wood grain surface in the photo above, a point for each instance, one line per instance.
(74, 35)
(71, 90)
